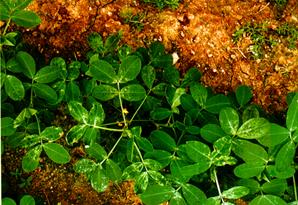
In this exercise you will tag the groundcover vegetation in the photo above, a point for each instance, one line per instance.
(140, 120)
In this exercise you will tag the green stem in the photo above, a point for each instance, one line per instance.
(217, 185)
(121, 105)
(295, 188)
(140, 155)
(6, 27)
(112, 150)
(105, 128)
(136, 112)
(31, 95)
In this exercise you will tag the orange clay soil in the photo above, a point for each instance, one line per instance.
(199, 31)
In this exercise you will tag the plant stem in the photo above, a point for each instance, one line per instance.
(6, 27)
(112, 150)
(121, 105)
(136, 112)
(295, 189)
(217, 185)
(140, 155)
(105, 128)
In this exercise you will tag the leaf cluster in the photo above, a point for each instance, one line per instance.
(164, 3)
(138, 119)
(262, 36)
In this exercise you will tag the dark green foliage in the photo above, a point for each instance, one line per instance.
(140, 120)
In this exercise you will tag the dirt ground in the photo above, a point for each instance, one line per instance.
(199, 31)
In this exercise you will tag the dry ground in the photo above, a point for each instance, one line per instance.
(200, 31)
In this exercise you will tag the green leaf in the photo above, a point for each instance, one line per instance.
(85, 166)
(14, 66)
(211, 132)
(132, 170)
(223, 145)
(133, 92)
(246, 171)
(285, 156)
(26, 19)
(47, 74)
(27, 62)
(287, 172)
(229, 120)
(99, 181)
(194, 130)
(96, 151)
(192, 75)
(276, 135)
(267, 199)
(96, 115)
(14, 88)
(236, 192)
(6, 200)
(163, 157)
(129, 69)
(193, 194)
(104, 92)
(162, 140)
(103, 71)
(252, 184)
(56, 153)
(2, 79)
(4, 13)
(91, 135)
(72, 92)
(52, 133)
(156, 194)
(175, 102)
(25, 114)
(31, 160)
(216, 103)
(156, 176)
(243, 95)
(7, 128)
(187, 102)
(250, 152)
(199, 93)
(30, 140)
(160, 89)
(254, 128)
(142, 181)
(171, 75)
(163, 61)
(112, 41)
(184, 172)
(148, 75)
(78, 112)
(74, 70)
(177, 199)
(27, 200)
(75, 133)
(152, 164)
(95, 42)
(144, 144)
(250, 112)
(160, 113)
(45, 92)
(22, 4)
(113, 171)
(275, 186)
(130, 150)
(292, 115)
(60, 88)
(198, 151)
